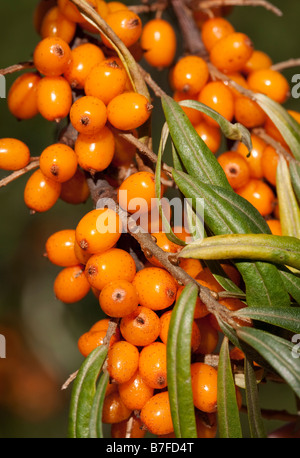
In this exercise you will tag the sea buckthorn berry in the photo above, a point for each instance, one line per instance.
(190, 74)
(60, 248)
(54, 98)
(275, 226)
(137, 191)
(211, 135)
(69, 10)
(127, 26)
(153, 365)
(194, 116)
(248, 112)
(158, 41)
(22, 96)
(41, 193)
(232, 273)
(141, 327)
(106, 80)
(98, 230)
(100, 325)
(110, 266)
(90, 340)
(84, 58)
(258, 61)
(125, 429)
(230, 53)
(214, 29)
(128, 111)
(55, 24)
(156, 414)
(135, 392)
(209, 336)
(232, 303)
(238, 78)
(206, 278)
(254, 158)
(14, 154)
(218, 97)
(122, 361)
(259, 194)
(51, 56)
(75, 191)
(71, 285)
(269, 163)
(165, 244)
(204, 386)
(271, 83)
(118, 298)
(88, 115)
(116, 6)
(191, 266)
(200, 308)
(124, 152)
(41, 9)
(58, 162)
(95, 152)
(164, 329)
(206, 424)
(156, 288)
(273, 132)
(114, 409)
(235, 167)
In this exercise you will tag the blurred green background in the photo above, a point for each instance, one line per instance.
(42, 333)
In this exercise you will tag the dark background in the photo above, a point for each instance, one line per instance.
(42, 333)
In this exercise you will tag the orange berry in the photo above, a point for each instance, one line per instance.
(165, 244)
(114, 410)
(116, 6)
(218, 97)
(95, 152)
(22, 96)
(259, 194)
(51, 56)
(153, 365)
(69, 10)
(158, 41)
(190, 74)
(164, 329)
(140, 327)
(269, 163)
(214, 29)
(88, 115)
(124, 152)
(230, 53)
(122, 361)
(60, 248)
(254, 157)
(238, 78)
(200, 309)
(271, 83)
(118, 298)
(127, 26)
(135, 392)
(120, 430)
(194, 116)
(206, 425)
(137, 191)
(232, 273)
(55, 24)
(70, 285)
(275, 226)
(14, 154)
(258, 61)
(112, 265)
(100, 325)
(211, 135)
(191, 266)
(156, 288)
(248, 112)
(41, 9)
(206, 278)
(58, 162)
(54, 97)
(75, 191)
(90, 340)
(84, 58)
(209, 336)
(98, 230)
(106, 80)
(204, 386)
(128, 110)
(41, 193)
(235, 167)
(156, 414)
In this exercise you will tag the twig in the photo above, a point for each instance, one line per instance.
(286, 64)
(207, 4)
(17, 68)
(13, 176)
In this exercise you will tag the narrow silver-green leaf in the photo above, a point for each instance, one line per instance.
(291, 281)
(222, 278)
(286, 318)
(256, 424)
(285, 123)
(96, 424)
(228, 412)
(294, 167)
(179, 364)
(83, 392)
(277, 351)
(277, 249)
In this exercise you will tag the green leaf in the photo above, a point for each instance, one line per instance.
(222, 278)
(96, 425)
(276, 249)
(286, 318)
(294, 167)
(291, 282)
(179, 363)
(83, 393)
(288, 206)
(196, 157)
(285, 123)
(256, 424)
(228, 412)
(277, 351)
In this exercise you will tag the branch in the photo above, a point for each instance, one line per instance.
(286, 64)
(208, 4)
(16, 68)
(34, 164)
